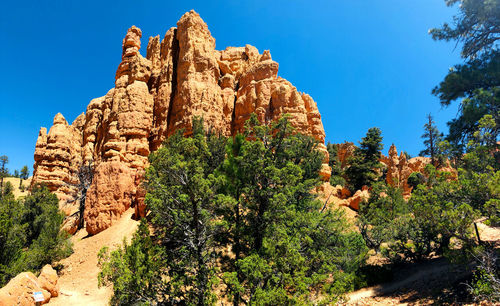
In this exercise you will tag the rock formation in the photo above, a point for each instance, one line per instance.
(182, 76)
(20, 289)
(399, 169)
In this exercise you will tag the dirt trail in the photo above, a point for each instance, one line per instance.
(419, 283)
(431, 271)
(78, 279)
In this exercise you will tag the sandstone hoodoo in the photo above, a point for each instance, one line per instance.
(182, 76)
(399, 169)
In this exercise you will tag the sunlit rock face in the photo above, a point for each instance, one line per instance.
(399, 169)
(182, 76)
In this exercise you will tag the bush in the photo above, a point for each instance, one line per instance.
(415, 179)
(30, 235)
(485, 284)
(132, 269)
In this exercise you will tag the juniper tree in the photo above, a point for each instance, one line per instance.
(275, 224)
(242, 213)
(181, 193)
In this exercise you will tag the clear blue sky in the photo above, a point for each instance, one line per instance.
(366, 63)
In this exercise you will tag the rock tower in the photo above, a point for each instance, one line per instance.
(181, 76)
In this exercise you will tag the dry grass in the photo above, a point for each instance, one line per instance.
(15, 183)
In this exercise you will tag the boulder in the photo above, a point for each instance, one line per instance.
(20, 289)
(48, 280)
(358, 197)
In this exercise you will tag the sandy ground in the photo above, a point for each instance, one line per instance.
(15, 183)
(78, 278)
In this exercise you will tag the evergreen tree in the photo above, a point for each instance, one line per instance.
(432, 138)
(4, 172)
(380, 218)
(363, 165)
(477, 28)
(276, 226)
(241, 213)
(30, 234)
(25, 173)
(133, 269)
(181, 197)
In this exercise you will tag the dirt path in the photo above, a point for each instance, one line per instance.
(420, 283)
(422, 275)
(78, 279)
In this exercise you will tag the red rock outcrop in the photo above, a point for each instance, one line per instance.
(20, 289)
(344, 151)
(181, 76)
(358, 197)
(399, 169)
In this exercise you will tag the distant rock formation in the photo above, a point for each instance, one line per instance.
(399, 169)
(182, 76)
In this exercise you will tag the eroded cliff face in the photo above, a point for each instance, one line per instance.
(181, 76)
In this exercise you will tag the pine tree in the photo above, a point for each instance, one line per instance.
(25, 173)
(432, 138)
(363, 165)
(4, 172)
(476, 82)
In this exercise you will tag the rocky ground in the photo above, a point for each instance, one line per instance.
(78, 278)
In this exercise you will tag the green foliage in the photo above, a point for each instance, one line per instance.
(415, 179)
(30, 235)
(432, 137)
(475, 106)
(286, 246)
(337, 176)
(181, 196)
(25, 173)
(477, 26)
(238, 211)
(437, 218)
(485, 284)
(7, 189)
(132, 269)
(4, 172)
(364, 164)
(12, 236)
(380, 217)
